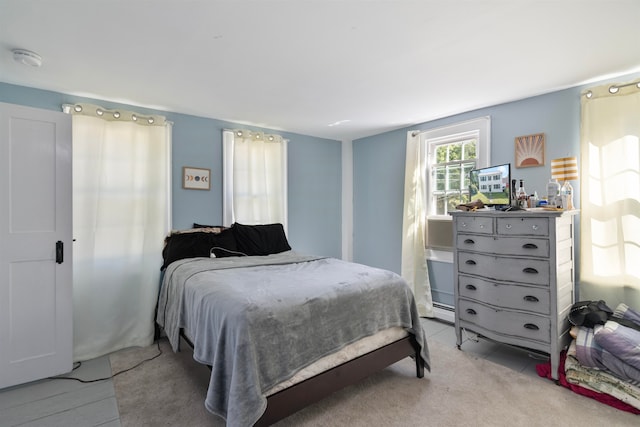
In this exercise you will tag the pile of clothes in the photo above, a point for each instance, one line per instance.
(603, 359)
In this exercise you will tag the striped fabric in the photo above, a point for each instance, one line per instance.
(564, 169)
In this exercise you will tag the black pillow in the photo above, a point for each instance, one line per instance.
(262, 239)
(196, 225)
(199, 244)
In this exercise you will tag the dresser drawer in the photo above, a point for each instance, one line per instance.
(516, 297)
(506, 322)
(522, 270)
(524, 246)
(476, 224)
(523, 226)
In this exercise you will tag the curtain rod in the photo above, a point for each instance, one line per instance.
(259, 131)
(627, 84)
(115, 114)
(614, 88)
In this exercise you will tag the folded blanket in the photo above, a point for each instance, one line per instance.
(591, 354)
(621, 341)
(544, 370)
(600, 381)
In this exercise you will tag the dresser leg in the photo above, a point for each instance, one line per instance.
(555, 364)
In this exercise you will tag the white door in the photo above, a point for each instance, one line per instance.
(35, 244)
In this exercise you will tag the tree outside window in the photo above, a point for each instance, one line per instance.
(450, 166)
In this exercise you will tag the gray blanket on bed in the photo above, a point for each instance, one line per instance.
(258, 320)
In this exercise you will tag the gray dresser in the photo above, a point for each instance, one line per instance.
(514, 277)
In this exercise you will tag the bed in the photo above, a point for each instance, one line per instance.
(279, 329)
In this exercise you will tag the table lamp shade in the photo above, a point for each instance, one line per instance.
(564, 169)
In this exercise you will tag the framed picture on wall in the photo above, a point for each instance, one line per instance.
(196, 178)
(529, 150)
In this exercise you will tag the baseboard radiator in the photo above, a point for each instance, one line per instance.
(444, 312)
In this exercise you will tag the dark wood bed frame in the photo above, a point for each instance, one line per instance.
(292, 399)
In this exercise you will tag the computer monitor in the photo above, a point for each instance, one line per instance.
(491, 185)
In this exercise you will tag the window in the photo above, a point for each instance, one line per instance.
(255, 178)
(452, 151)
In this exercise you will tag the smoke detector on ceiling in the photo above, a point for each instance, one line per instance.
(27, 57)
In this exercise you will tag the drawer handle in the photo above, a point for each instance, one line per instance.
(469, 242)
(535, 227)
(471, 287)
(531, 298)
(529, 246)
(508, 226)
(530, 270)
(531, 326)
(470, 262)
(471, 311)
(464, 224)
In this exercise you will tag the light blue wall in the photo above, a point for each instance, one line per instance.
(314, 172)
(378, 168)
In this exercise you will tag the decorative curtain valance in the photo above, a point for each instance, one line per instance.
(114, 115)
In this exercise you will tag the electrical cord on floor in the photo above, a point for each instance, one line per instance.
(112, 376)
(468, 337)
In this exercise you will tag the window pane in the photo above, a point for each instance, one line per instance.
(447, 202)
(440, 200)
(439, 174)
(454, 199)
(455, 151)
(470, 150)
(453, 177)
(466, 168)
(441, 154)
(450, 182)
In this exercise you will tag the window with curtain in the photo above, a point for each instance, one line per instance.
(255, 178)
(121, 214)
(436, 162)
(610, 194)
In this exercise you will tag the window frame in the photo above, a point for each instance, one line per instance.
(479, 128)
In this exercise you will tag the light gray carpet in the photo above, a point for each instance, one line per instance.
(461, 390)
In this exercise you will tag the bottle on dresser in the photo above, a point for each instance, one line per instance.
(521, 195)
(566, 195)
(553, 193)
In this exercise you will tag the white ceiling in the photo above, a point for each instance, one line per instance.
(335, 69)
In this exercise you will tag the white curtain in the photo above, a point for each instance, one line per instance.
(414, 261)
(255, 178)
(610, 194)
(121, 205)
